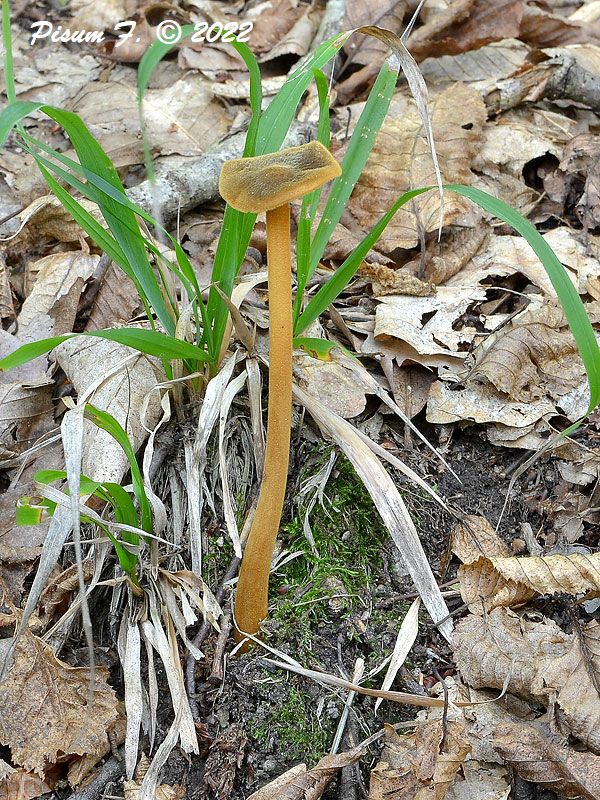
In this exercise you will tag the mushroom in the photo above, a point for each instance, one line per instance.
(269, 183)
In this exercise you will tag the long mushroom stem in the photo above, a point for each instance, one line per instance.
(251, 602)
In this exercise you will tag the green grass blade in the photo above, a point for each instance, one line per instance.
(104, 420)
(356, 157)
(9, 70)
(343, 275)
(310, 202)
(573, 308)
(121, 221)
(13, 114)
(153, 343)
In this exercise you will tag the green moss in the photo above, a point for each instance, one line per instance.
(295, 728)
(349, 537)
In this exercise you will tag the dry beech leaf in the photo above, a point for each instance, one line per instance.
(22, 785)
(333, 382)
(308, 784)
(482, 404)
(504, 581)
(467, 25)
(116, 301)
(485, 65)
(394, 281)
(412, 766)
(541, 758)
(531, 358)
(519, 136)
(458, 247)
(474, 537)
(122, 394)
(401, 160)
(44, 707)
(272, 20)
(536, 660)
(427, 323)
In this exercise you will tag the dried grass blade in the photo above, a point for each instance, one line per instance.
(234, 387)
(406, 638)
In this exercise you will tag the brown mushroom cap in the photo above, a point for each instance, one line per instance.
(265, 182)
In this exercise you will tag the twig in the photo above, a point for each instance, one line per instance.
(445, 711)
(109, 771)
(216, 673)
(190, 662)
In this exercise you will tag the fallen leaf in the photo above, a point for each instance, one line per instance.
(333, 382)
(23, 785)
(303, 784)
(467, 25)
(421, 764)
(474, 537)
(44, 706)
(534, 357)
(426, 324)
(122, 394)
(541, 758)
(535, 660)
(400, 160)
(447, 404)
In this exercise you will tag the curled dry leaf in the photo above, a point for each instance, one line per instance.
(44, 706)
(303, 784)
(541, 758)
(474, 537)
(536, 660)
(535, 356)
(401, 160)
(467, 25)
(420, 765)
(507, 580)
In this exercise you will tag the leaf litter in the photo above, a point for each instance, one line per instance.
(466, 328)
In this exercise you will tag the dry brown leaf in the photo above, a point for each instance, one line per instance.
(535, 660)
(46, 216)
(427, 323)
(480, 67)
(474, 537)
(400, 160)
(447, 404)
(272, 21)
(122, 394)
(504, 581)
(333, 382)
(394, 281)
(81, 766)
(22, 785)
(542, 29)
(44, 706)
(116, 301)
(521, 135)
(458, 247)
(417, 766)
(535, 356)
(467, 25)
(308, 784)
(541, 758)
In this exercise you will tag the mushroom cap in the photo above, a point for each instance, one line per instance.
(264, 182)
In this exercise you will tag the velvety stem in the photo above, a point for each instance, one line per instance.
(251, 600)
